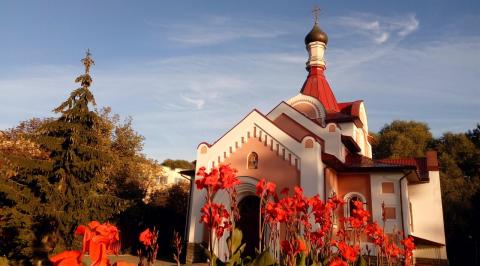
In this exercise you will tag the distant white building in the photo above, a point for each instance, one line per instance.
(170, 177)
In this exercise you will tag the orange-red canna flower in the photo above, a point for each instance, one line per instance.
(348, 252)
(67, 258)
(408, 243)
(301, 246)
(338, 262)
(216, 217)
(267, 188)
(146, 237)
(99, 240)
(228, 177)
(408, 247)
(122, 263)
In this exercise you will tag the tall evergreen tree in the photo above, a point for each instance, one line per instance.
(48, 198)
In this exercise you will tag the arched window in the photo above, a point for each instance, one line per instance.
(309, 144)
(350, 198)
(252, 160)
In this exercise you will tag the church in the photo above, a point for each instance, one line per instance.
(322, 145)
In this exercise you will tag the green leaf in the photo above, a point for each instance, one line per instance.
(235, 240)
(302, 259)
(263, 259)
(361, 261)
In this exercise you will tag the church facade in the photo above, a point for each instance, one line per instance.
(322, 145)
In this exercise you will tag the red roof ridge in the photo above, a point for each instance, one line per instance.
(317, 86)
(311, 134)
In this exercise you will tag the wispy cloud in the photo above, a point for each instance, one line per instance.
(199, 103)
(377, 28)
(212, 30)
(179, 101)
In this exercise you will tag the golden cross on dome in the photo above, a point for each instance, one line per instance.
(316, 13)
(88, 61)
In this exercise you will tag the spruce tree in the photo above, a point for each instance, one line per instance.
(48, 198)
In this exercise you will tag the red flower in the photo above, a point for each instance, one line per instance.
(274, 213)
(408, 243)
(228, 177)
(293, 248)
(215, 216)
(301, 246)
(122, 263)
(270, 187)
(392, 250)
(348, 252)
(99, 240)
(209, 180)
(338, 262)
(224, 177)
(408, 246)
(146, 237)
(260, 187)
(374, 231)
(285, 246)
(67, 258)
(265, 187)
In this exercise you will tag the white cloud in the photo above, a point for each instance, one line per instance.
(377, 28)
(219, 29)
(199, 103)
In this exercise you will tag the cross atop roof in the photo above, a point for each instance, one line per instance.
(316, 13)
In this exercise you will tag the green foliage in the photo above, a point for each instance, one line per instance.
(264, 259)
(474, 135)
(234, 243)
(125, 177)
(402, 139)
(46, 199)
(178, 197)
(236, 246)
(181, 164)
(361, 261)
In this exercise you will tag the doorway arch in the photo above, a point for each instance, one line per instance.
(249, 208)
(246, 188)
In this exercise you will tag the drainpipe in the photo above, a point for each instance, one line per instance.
(401, 200)
(187, 218)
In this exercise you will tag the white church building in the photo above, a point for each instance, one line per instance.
(316, 142)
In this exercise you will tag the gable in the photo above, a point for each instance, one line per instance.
(272, 165)
(254, 125)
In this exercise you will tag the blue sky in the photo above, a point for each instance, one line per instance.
(187, 71)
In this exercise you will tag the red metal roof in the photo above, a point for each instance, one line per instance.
(317, 86)
(420, 163)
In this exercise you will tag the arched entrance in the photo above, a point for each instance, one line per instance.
(249, 223)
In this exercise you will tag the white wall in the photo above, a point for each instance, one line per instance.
(391, 200)
(427, 209)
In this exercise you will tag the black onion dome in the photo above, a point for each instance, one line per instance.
(316, 35)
